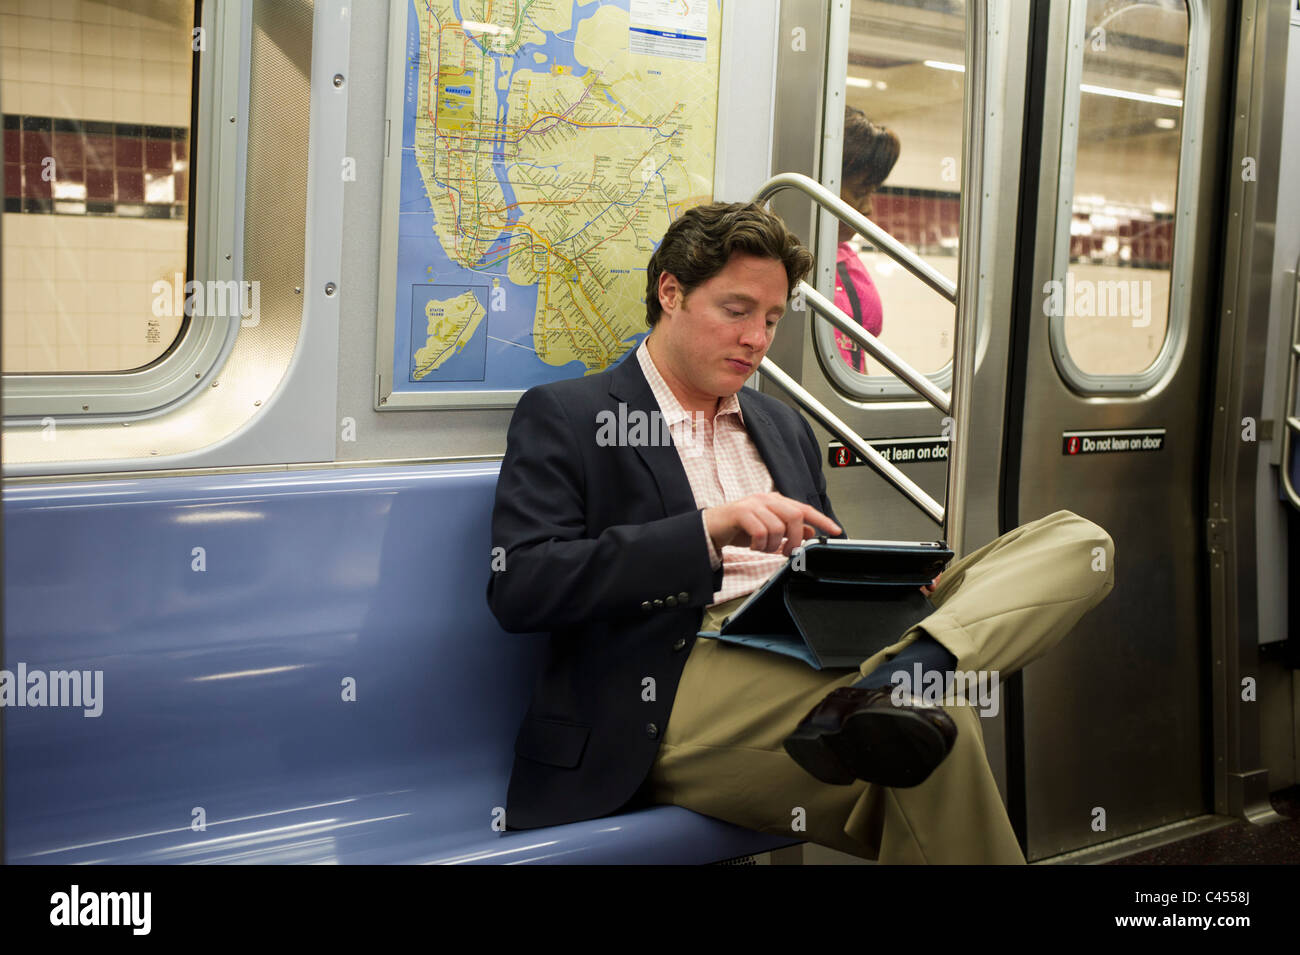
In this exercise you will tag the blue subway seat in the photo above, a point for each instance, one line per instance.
(228, 615)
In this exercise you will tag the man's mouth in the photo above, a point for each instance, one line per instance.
(740, 364)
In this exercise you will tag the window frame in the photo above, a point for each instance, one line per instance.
(215, 220)
(876, 391)
(1185, 211)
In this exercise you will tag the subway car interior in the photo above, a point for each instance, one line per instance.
(245, 565)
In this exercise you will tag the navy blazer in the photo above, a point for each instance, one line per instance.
(605, 551)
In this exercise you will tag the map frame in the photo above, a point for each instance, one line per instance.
(388, 394)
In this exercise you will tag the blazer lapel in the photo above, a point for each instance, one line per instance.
(786, 477)
(628, 385)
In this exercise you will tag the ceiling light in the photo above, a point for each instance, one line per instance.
(1129, 94)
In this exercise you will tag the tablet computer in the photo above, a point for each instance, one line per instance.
(837, 559)
(837, 602)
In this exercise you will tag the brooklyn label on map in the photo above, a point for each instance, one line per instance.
(542, 159)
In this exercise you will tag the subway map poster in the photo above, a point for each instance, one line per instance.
(545, 146)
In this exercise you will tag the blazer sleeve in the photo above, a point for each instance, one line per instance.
(557, 574)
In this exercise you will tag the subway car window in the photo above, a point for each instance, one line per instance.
(1112, 301)
(901, 167)
(97, 105)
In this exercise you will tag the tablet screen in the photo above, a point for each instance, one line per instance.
(919, 561)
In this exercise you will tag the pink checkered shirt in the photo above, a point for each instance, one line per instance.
(722, 464)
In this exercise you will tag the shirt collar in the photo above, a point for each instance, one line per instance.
(670, 407)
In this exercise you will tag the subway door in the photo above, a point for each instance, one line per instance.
(904, 69)
(1115, 303)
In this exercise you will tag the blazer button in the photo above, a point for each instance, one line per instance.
(645, 606)
(680, 644)
(659, 604)
(651, 730)
(670, 601)
(683, 597)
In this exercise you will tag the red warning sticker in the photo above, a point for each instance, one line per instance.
(893, 450)
(1110, 442)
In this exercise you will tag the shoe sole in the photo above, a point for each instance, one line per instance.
(889, 747)
(810, 749)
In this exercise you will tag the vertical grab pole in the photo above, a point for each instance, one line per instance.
(968, 274)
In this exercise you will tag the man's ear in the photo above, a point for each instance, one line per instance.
(670, 291)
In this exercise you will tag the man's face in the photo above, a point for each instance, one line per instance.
(713, 339)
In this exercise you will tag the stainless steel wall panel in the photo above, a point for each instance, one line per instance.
(1240, 779)
(1115, 718)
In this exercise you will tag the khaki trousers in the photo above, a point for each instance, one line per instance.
(998, 609)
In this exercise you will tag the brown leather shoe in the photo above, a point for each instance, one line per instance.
(856, 733)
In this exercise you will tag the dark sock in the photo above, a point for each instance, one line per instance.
(927, 651)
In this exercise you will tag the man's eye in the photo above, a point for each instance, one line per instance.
(733, 312)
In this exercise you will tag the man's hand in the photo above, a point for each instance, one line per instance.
(766, 522)
(928, 589)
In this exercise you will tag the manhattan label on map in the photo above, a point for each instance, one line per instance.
(547, 145)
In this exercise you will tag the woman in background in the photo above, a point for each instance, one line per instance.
(870, 152)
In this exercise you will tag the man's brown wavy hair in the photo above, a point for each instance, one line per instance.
(699, 244)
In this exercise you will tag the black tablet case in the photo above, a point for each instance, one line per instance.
(848, 602)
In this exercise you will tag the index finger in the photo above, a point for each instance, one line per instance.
(817, 519)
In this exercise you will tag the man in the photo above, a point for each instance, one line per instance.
(638, 506)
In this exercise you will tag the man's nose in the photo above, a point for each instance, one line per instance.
(755, 334)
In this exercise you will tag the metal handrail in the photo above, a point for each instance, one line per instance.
(974, 112)
(878, 350)
(957, 403)
(833, 424)
(926, 388)
(863, 226)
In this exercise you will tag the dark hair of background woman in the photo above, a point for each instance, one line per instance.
(870, 151)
